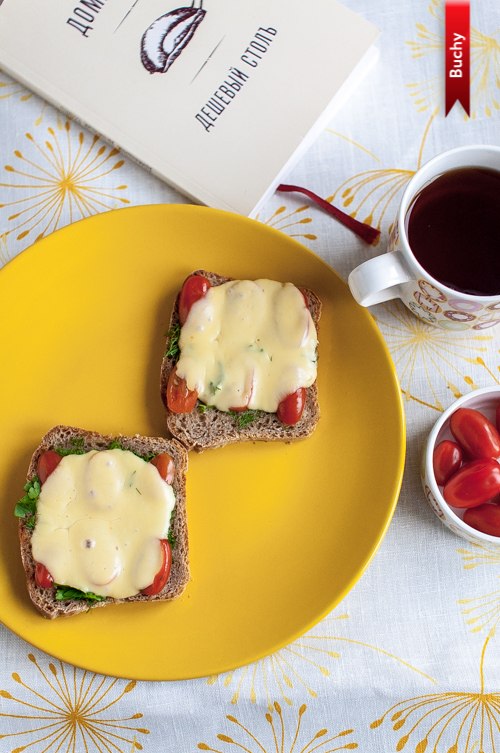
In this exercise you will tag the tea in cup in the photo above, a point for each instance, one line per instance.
(444, 249)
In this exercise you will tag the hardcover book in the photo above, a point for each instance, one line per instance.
(217, 98)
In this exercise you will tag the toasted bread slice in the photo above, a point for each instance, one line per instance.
(202, 429)
(67, 438)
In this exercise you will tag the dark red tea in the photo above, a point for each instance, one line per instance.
(453, 227)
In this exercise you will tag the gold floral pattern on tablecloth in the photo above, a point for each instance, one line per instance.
(372, 196)
(291, 668)
(289, 221)
(284, 735)
(12, 89)
(481, 611)
(484, 66)
(57, 177)
(428, 358)
(66, 710)
(448, 722)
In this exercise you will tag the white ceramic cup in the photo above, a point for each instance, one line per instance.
(398, 274)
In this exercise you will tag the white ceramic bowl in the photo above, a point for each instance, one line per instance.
(484, 400)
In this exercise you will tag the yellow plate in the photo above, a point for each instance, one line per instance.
(278, 533)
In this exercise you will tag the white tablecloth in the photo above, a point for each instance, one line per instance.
(410, 659)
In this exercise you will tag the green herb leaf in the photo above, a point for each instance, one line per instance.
(117, 445)
(173, 335)
(66, 593)
(26, 507)
(202, 408)
(171, 538)
(76, 447)
(244, 418)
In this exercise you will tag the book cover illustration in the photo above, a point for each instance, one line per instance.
(165, 39)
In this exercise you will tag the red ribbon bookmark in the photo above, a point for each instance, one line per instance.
(366, 232)
(457, 54)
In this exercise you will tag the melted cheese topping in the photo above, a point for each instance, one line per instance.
(248, 343)
(100, 517)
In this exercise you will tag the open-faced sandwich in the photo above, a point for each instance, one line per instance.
(241, 361)
(103, 521)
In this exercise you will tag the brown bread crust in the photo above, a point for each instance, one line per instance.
(63, 437)
(213, 428)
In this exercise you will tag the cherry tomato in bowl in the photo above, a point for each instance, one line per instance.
(485, 518)
(446, 460)
(475, 433)
(473, 484)
(434, 473)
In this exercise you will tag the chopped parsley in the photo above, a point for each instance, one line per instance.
(117, 445)
(76, 447)
(26, 507)
(172, 538)
(173, 335)
(244, 418)
(202, 407)
(67, 593)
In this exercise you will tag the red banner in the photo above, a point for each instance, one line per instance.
(457, 54)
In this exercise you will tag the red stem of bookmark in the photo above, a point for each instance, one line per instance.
(366, 232)
(457, 54)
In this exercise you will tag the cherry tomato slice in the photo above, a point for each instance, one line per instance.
(47, 463)
(497, 417)
(194, 288)
(42, 576)
(446, 460)
(161, 576)
(476, 482)
(291, 407)
(166, 467)
(179, 398)
(485, 518)
(478, 437)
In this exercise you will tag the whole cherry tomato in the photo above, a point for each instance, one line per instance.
(477, 436)
(291, 407)
(47, 463)
(497, 417)
(446, 460)
(166, 467)
(161, 576)
(485, 518)
(194, 288)
(179, 398)
(476, 482)
(42, 576)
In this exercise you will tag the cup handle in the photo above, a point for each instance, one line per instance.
(378, 279)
